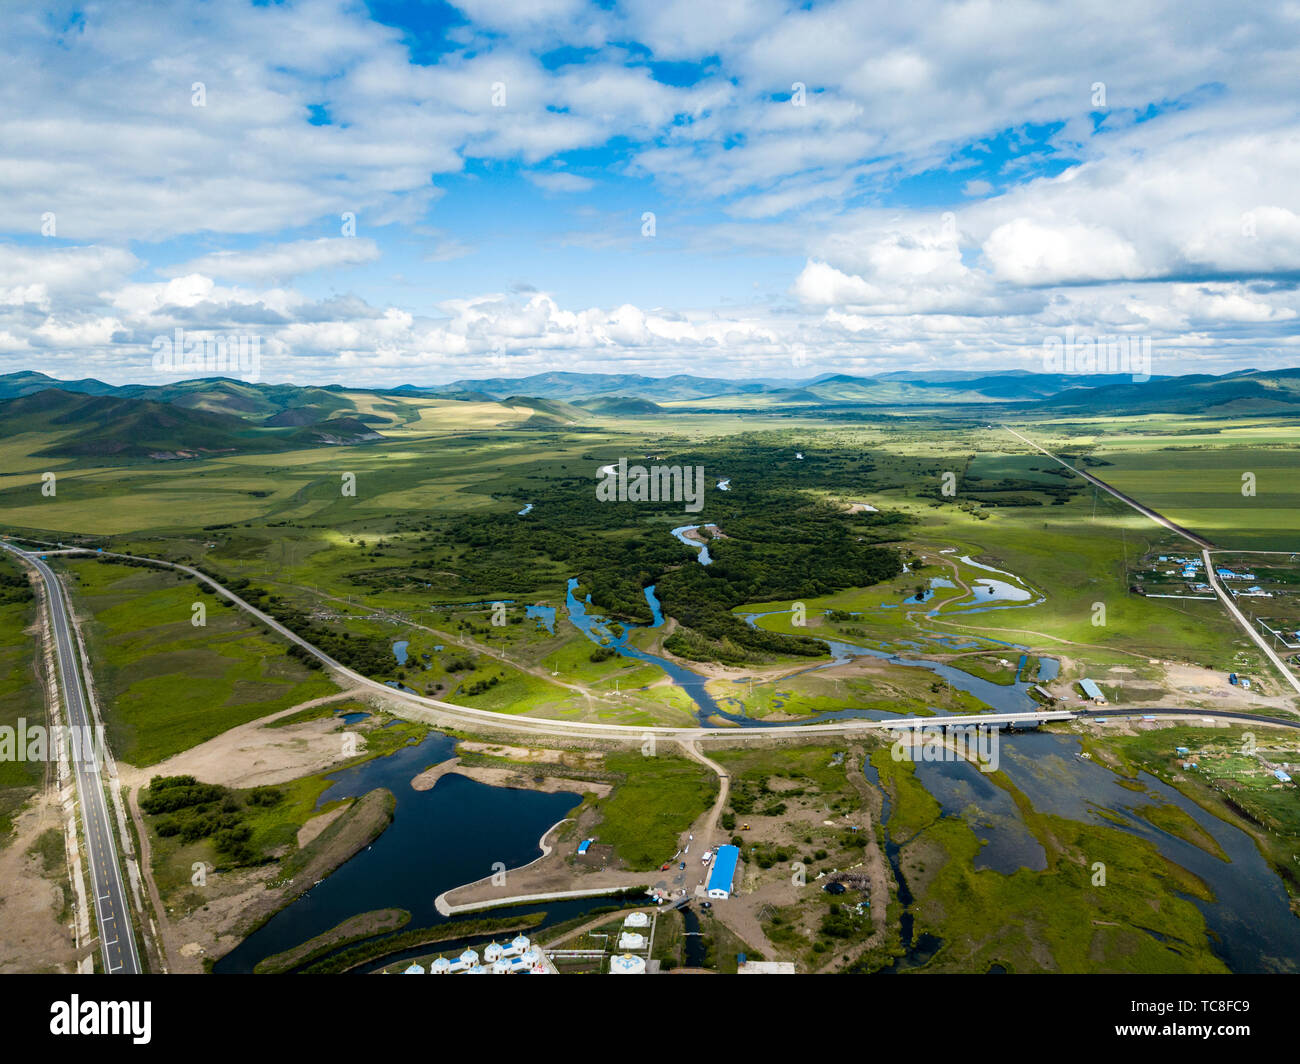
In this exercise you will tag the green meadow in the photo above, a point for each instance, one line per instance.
(433, 536)
(1053, 920)
(21, 696)
(656, 799)
(165, 684)
(1194, 470)
(392, 561)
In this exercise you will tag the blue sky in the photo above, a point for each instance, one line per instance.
(836, 187)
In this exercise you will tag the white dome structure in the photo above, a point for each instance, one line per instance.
(520, 942)
(441, 966)
(414, 969)
(492, 953)
(627, 964)
(469, 958)
(631, 940)
(636, 920)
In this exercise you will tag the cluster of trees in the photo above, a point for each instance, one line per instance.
(166, 794)
(459, 662)
(483, 683)
(779, 545)
(14, 587)
(192, 811)
(304, 657)
(842, 922)
(1011, 491)
(788, 549)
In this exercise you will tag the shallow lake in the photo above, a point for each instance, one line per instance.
(439, 839)
(1250, 920)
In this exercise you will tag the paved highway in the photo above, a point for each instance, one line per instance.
(1240, 618)
(1175, 712)
(116, 935)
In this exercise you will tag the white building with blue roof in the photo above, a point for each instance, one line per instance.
(723, 871)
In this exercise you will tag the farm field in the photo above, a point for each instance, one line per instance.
(1194, 470)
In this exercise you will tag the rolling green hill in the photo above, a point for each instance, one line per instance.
(548, 411)
(345, 415)
(112, 428)
(1248, 392)
(220, 395)
(13, 385)
(336, 431)
(618, 406)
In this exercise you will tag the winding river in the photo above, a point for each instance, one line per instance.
(1008, 698)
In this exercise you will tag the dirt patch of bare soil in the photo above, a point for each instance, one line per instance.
(31, 899)
(252, 755)
(312, 829)
(592, 759)
(560, 869)
(520, 779)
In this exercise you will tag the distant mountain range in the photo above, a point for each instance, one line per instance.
(1241, 392)
(209, 415)
(899, 386)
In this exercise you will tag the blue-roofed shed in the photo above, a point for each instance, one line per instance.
(585, 845)
(723, 871)
(1092, 690)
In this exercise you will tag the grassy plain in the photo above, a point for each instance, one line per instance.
(378, 565)
(1233, 481)
(286, 524)
(657, 799)
(1058, 919)
(167, 684)
(21, 696)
